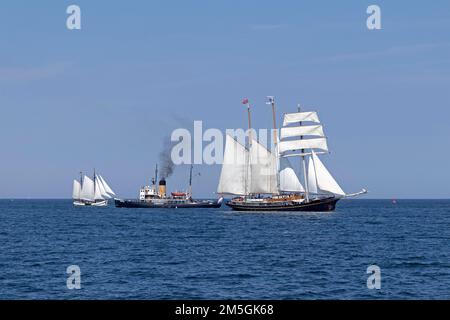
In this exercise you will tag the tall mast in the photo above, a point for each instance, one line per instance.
(156, 174)
(95, 184)
(304, 164)
(246, 102)
(249, 126)
(81, 185)
(275, 138)
(190, 181)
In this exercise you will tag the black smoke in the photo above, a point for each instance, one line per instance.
(166, 165)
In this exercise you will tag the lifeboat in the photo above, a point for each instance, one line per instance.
(178, 194)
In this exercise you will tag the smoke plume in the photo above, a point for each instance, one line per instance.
(166, 164)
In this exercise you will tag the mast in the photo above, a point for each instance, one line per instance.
(81, 185)
(190, 181)
(95, 184)
(246, 102)
(275, 138)
(303, 163)
(249, 125)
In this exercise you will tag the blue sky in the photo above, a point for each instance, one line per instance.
(106, 96)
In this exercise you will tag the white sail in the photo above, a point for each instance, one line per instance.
(289, 181)
(316, 143)
(299, 131)
(106, 186)
(234, 169)
(87, 191)
(297, 117)
(325, 181)
(101, 187)
(263, 167)
(97, 190)
(76, 190)
(312, 177)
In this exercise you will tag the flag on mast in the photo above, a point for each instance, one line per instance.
(245, 101)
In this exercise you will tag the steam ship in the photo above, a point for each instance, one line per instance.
(264, 180)
(155, 196)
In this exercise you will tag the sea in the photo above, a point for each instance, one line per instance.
(366, 249)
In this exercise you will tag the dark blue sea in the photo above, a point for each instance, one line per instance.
(221, 254)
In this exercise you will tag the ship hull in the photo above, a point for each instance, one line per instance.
(78, 203)
(321, 205)
(168, 205)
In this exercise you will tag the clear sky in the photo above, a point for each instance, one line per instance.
(105, 96)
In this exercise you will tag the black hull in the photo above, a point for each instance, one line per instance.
(322, 205)
(144, 204)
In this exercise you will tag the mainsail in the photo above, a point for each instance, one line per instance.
(87, 190)
(247, 172)
(97, 190)
(235, 173)
(263, 168)
(76, 190)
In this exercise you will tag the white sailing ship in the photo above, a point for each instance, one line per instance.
(91, 192)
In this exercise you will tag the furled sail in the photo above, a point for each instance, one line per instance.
(325, 181)
(101, 187)
(263, 168)
(297, 117)
(234, 169)
(289, 181)
(293, 145)
(87, 190)
(106, 186)
(299, 131)
(76, 190)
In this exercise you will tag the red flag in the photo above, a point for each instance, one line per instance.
(245, 101)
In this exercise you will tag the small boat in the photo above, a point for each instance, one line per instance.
(93, 192)
(155, 196)
(264, 180)
(178, 194)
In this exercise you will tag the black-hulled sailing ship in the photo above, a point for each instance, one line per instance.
(264, 180)
(155, 196)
